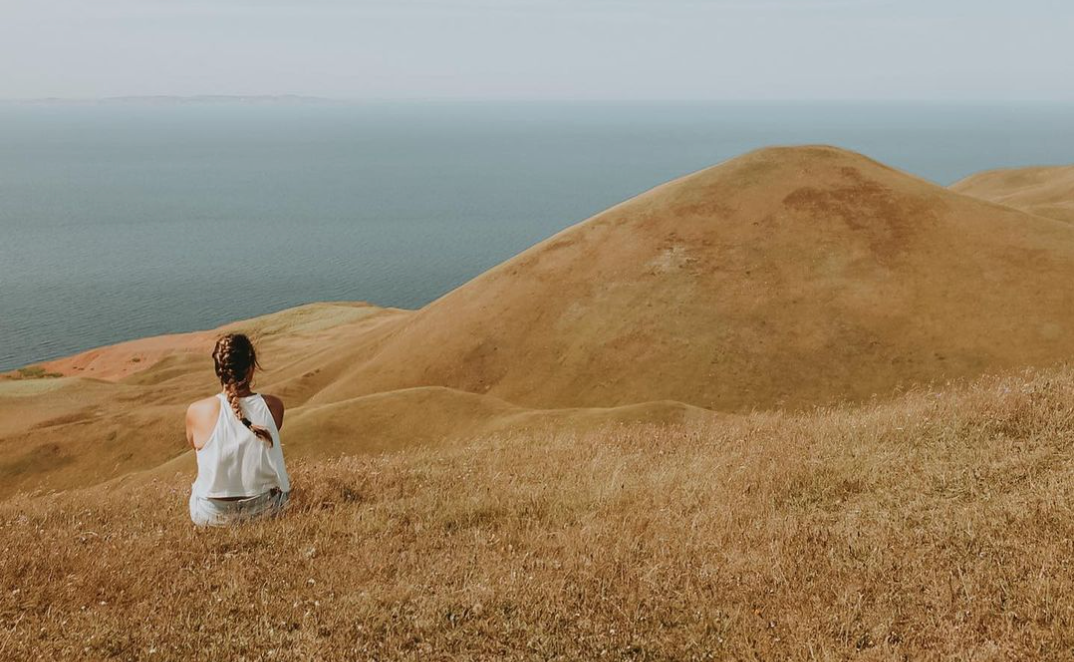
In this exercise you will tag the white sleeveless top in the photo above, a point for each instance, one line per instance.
(234, 462)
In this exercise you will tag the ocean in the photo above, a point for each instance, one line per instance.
(120, 221)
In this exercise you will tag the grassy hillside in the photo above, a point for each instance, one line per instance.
(785, 277)
(1045, 191)
(935, 526)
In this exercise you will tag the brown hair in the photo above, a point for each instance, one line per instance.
(236, 362)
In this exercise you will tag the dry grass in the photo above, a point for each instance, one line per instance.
(33, 372)
(787, 277)
(938, 526)
(1046, 191)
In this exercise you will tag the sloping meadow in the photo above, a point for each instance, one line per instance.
(938, 525)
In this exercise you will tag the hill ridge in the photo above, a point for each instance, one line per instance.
(1045, 191)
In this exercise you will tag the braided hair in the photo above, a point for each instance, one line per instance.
(236, 361)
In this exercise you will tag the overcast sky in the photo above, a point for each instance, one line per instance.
(541, 49)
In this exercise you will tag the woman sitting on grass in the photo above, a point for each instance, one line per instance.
(236, 437)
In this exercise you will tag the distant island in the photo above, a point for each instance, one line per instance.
(169, 100)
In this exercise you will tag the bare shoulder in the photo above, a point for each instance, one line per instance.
(206, 409)
(275, 406)
(200, 420)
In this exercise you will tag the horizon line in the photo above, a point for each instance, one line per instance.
(342, 100)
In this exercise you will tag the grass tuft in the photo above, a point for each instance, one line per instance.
(35, 372)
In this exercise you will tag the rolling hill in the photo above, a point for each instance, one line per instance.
(118, 417)
(1045, 191)
(785, 278)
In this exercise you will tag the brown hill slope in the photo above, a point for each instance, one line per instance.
(786, 276)
(78, 431)
(1044, 191)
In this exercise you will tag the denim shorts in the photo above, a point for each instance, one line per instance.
(205, 511)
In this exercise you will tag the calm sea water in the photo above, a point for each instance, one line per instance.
(121, 221)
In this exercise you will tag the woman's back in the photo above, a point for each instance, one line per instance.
(234, 461)
(236, 439)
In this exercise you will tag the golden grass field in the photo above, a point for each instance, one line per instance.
(938, 525)
(799, 405)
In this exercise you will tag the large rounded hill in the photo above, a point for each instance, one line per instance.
(788, 276)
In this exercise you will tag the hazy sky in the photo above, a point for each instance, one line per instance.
(544, 49)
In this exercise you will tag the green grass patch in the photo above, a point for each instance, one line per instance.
(36, 372)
